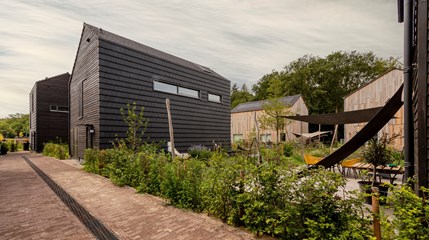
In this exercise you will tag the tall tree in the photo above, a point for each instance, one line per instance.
(324, 82)
(15, 125)
(240, 95)
(271, 119)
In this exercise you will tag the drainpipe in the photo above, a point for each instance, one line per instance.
(408, 101)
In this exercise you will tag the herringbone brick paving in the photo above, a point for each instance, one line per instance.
(28, 207)
(131, 215)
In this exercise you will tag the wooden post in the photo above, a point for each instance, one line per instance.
(376, 213)
(170, 127)
(302, 141)
(257, 139)
(333, 138)
(319, 133)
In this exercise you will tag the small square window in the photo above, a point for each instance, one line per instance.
(53, 108)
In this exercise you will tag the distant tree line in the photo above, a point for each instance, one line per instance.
(323, 82)
(15, 125)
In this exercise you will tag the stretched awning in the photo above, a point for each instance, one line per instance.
(310, 135)
(357, 116)
(367, 132)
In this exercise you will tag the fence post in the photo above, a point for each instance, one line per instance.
(376, 213)
(170, 128)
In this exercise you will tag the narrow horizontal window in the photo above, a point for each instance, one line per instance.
(53, 108)
(164, 87)
(63, 109)
(215, 98)
(189, 92)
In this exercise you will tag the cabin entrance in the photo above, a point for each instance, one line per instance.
(82, 139)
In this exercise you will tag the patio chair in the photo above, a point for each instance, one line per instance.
(348, 165)
(311, 160)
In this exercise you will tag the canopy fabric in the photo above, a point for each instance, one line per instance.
(310, 135)
(368, 131)
(357, 116)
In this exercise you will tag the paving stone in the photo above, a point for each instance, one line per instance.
(29, 209)
(131, 215)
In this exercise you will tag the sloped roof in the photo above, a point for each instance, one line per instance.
(111, 37)
(257, 105)
(55, 78)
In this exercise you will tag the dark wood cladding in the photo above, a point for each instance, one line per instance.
(84, 84)
(420, 95)
(47, 125)
(125, 71)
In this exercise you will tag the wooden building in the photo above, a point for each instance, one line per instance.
(49, 111)
(375, 94)
(243, 120)
(111, 71)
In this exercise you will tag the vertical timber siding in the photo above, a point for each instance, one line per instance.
(86, 68)
(376, 94)
(46, 125)
(126, 76)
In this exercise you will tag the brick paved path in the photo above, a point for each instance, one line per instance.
(129, 215)
(29, 209)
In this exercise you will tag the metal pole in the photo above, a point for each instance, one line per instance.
(408, 77)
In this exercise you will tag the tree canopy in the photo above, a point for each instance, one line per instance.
(324, 82)
(17, 124)
(240, 95)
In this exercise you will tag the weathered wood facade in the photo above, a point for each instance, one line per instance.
(111, 71)
(243, 120)
(49, 111)
(420, 90)
(376, 94)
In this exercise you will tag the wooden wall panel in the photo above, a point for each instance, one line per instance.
(126, 76)
(376, 94)
(244, 123)
(86, 68)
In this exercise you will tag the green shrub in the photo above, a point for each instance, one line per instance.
(200, 152)
(60, 151)
(288, 149)
(4, 148)
(12, 146)
(410, 214)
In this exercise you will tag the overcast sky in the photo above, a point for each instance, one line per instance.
(241, 40)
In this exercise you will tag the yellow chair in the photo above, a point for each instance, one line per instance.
(349, 165)
(311, 160)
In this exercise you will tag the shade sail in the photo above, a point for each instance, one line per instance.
(310, 135)
(368, 131)
(357, 116)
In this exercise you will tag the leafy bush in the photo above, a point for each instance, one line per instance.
(410, 214)
(60, 151)
(199, 151)
(4, 148)
(12, 146)
(288, 149)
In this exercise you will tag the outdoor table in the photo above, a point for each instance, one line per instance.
(390, 172)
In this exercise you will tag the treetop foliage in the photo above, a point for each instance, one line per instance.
(323, 82)
(17, 124)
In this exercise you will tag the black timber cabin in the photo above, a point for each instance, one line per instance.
(111, 71)
(49, 111)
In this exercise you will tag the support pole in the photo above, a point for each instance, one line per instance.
(333, 138)
(170, 127)
(376, 213)
(257, 138)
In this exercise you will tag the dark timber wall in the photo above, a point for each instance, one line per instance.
(84, 86)
(47, 122)
(126, 74)
(421, 93)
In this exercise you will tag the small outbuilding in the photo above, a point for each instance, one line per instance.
(243, 125)
(49, 111)
(375, 94)
(111, 71)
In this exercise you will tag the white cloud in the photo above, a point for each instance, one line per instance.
(241, 40)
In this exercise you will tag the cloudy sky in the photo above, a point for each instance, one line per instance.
(240, 39)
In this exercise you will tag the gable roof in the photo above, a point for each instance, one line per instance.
(375, 79)
(257, 105)
(114, 38)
